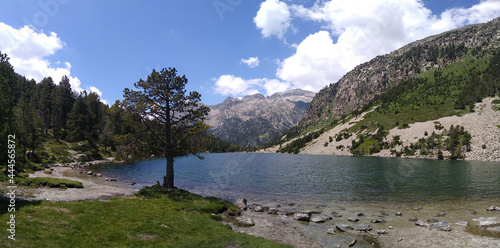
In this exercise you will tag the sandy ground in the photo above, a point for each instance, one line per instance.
(93, 187)
(482, 125)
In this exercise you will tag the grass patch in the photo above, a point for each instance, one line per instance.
(48, 182)
(154, 218)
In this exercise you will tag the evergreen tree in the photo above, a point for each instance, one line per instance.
(173, 118)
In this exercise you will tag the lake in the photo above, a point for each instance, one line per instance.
(315, 179)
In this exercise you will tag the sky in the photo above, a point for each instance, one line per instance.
(226, 48)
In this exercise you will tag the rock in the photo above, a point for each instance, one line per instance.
(253, 206)
(320, 218)
(432, 220)
(107, 179)
(285, 212)
(362, 227)
(112, 180)
(310, 212)
(336, 215)
(494, 229)
(440, 214)
(343, 228)
(384, 213)
(493, 208)
(462, 223)
(421, 223)
(353, 219)
(353, 242)
(274, 211)
(331, 231)
(487, 223)
(302, 216)
(399, 214)
(245, 221)
(377, 220)
(390, 227)
(361, 214)
(379, 232)
(89, 172)
(441, 226)
(133, 183)
(241, 203)
(259, 209)
(413, 219)
(99, 175)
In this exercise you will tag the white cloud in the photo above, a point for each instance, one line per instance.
(28, 50)
(273, 18)
(365, 29)
(230, 85)
(251, 62)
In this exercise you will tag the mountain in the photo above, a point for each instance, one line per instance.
(435, 98)
(363, 83)
(256, 119)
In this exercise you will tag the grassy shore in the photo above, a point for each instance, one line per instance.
(152, 218)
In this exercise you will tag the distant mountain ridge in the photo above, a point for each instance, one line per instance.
(256, 119)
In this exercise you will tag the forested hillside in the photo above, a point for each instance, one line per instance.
(56, 123)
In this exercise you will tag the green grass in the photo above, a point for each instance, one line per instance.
(154, 218)
(49, 182)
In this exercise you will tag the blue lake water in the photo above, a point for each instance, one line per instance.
(320, 179)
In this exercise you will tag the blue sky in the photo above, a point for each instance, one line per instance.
(224, 47)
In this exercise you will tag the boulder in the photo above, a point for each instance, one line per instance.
(362, 227)
(245, 221)
(241, 203)
(320, 218)
(441, 226)
(343, 228)
(302, 216)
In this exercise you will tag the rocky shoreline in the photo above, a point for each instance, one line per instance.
(370, 228)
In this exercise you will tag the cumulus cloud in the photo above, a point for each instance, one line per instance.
(364, 29)
(273, 18)
(28, 50)
(230, 85)
(251, 62)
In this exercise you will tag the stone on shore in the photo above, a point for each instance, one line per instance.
(241, 203)
(331, 231)
(274, 211)
(343, 228)
(353, 219)
(421, 223)
(493, 208)
(320, 218)
(441, 226)
(379, 232)
(245, 221)
(378, 220)
(302, 217)
(362, 227)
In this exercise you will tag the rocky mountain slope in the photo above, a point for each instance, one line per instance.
(256, 119)
(363, 83)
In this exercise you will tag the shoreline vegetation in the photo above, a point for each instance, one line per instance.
(112, 214)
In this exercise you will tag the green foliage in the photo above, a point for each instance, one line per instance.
(176, 219)
(367, 144)
(295, 146)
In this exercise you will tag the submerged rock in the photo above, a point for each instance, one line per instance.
(441, 226)
(343, 228)
(320, 218)
(462, 223)
(493, 208)
(362, 227)
(377, 220)
(379, 232)
(302, 216)
(353, 219)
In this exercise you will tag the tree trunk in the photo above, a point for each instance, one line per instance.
(168, 180)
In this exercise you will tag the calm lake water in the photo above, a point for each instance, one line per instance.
(317, 179)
